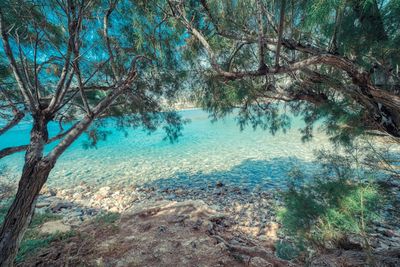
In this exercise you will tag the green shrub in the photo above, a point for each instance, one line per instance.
(288, 251)
(324, 209)
(40, 218)
(33, 241)
(29, 246)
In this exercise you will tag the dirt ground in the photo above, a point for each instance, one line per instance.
(163, 233)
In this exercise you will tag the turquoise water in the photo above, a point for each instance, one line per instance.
(207, 152)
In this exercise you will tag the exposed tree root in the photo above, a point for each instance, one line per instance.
(253, 251)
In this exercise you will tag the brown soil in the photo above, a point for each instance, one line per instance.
(163, 233)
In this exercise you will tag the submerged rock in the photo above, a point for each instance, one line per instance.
(219, 184)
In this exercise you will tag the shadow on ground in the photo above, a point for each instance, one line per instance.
(249, 174)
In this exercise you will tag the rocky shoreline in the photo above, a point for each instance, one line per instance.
(252, 212)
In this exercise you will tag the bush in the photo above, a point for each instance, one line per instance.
(324, 209)
(40, 218)
(287, 251)
(35, 241)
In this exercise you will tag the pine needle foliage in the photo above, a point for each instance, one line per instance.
(366, 32)
(323, 210)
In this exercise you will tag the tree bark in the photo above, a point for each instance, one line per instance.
(261, 36)
(37, 169)
(280, 32)
(34, 174)
(14, 149)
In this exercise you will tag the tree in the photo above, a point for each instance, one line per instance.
(79, 61)
(331, 60)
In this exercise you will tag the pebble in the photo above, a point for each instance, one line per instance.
(252, 211)
(77, 196)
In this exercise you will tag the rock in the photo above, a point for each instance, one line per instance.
(42, 204)
(119, 198)
(62, 192)
(179, 192)
(48, 191)
(113, 209)
(98, 197)
(90, 212)
(52, 192)
(77, 196)
(40, 210)
(219, 184)
(53, 227)
(258, 262)
(76, 213)
(134, 198)
(215, 207)
(58, 206)
(104, 190)
(50, 199)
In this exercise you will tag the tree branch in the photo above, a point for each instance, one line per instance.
(261, 37)
(13, 64)
(280, 32)
(61, 87)
(11, 150)
(114, 68)
(76, 63)
(17, 118)
(83, 124)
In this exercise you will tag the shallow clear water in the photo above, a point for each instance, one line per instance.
(207, 152)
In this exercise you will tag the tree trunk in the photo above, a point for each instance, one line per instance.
(34, 175)
(280, 32)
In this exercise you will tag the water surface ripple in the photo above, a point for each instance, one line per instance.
(206, 153)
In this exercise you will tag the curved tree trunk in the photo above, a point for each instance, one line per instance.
(37, 169)
(34, 174)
